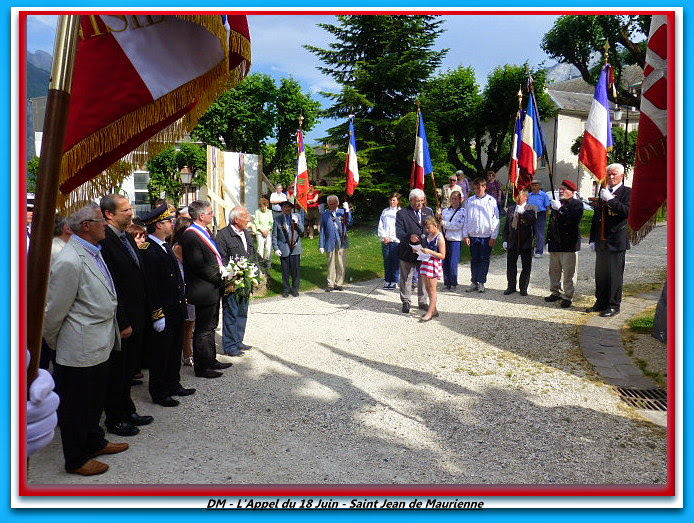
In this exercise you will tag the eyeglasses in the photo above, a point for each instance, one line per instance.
(97, 220)
(207, 213)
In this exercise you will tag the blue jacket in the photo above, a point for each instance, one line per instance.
(329, 237)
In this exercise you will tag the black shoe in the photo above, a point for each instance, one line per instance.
(328, 289)
(565, 304)
(338, 287)
(424, 307)
(552, 297)
(243, 346)
(168, 401)
(295, 293)
(509, 291)
(183, 392)
(123, 428)
(608, 313)
(136, 419)
(218, 365)
(523, 292)
(208, 374)
(285, 295)
(234, 354)
(594, 308)
(405, 308)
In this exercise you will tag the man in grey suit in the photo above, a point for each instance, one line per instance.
(81, 327)
(286, 242)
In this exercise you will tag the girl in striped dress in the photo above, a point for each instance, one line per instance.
(431, 269)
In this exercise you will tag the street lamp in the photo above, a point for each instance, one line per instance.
(186, 179)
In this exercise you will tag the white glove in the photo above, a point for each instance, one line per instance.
(278, 252)
(505, 245)
(345, 206)
(159, 325)
(606, 195)
(322, 250)
(41, 411)
(295, 218)
(592, 246)
(556, 204)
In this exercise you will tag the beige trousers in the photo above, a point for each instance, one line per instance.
(336, 267)
(562, 274)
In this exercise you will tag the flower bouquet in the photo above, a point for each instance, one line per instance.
(241, 277)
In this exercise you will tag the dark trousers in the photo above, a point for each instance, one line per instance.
(47, 356)
(82, 391)
(119, 405)
(391, 261)
(165, 360)
(291, 267)
(479, 259)
(204, 346)
(609, 277)
(234, 318)
(450, 263)
(512, 267)
(540, 228)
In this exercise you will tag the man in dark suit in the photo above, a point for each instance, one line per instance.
(409, 229)
(518, 241)
(202, 265)
(168, 290)
(564, 244)
(286, 242)
(235, 240)
(125, 264)
(609, 240)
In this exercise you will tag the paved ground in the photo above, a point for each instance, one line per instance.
(342, 388)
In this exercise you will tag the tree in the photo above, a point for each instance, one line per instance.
(381, 63)
(256, 113)
(164, 169)
(32, 171)
(476, 127)
(580, 40)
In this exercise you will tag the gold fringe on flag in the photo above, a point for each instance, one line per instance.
(637, 237)
(201, 92)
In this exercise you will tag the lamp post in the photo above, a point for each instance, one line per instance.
(186, 178)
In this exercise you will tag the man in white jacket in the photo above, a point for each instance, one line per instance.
(479, 232)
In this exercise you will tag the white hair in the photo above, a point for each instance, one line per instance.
(332, 197)
(236, 212)
(615, 167)
(416, 193)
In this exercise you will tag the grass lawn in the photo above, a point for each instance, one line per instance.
(364, 258)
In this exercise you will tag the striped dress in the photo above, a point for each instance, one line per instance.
(432, 268)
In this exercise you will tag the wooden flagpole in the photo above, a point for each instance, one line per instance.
(54, 129)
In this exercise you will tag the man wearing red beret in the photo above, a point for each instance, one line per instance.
(564, 244)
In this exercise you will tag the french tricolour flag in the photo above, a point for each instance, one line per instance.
(531, 142)
(301, 181)
(351, 165)
(515, 146)
(421, 162)
(597, 138)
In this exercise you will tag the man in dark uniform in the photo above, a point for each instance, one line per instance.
(564, 244)
(519, 230)
(235, 240)
(168, 292)
(609, 239)
(202, 265)
(125, 265)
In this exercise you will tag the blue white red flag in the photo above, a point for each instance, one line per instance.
(301, 181)
(531, 148)
(597, 138)
(515, 146)
(421, 162)
(351, 165)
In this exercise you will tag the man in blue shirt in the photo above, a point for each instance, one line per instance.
(539, 199)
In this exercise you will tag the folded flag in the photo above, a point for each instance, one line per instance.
(351, 165)
(301, 181)
(597, 138)
(421, 162)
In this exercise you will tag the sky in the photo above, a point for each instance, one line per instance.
(480, 41)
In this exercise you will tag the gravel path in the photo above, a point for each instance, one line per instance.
(343, 388)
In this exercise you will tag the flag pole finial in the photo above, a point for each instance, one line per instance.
(520, 97)
(607, 50)
(301, 121)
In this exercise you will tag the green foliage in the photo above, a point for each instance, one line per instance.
(624, 150)
(259, 117)
(164, 170)
(381, 63)
(580, 40)
(32, 171)
(642, 324)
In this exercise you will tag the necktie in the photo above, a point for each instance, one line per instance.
(129, 247)
(419, 216)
